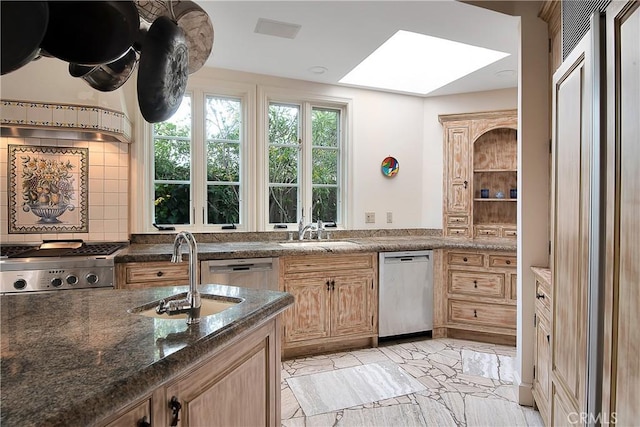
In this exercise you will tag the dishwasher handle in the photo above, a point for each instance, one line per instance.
(406, 259)
(237, 268)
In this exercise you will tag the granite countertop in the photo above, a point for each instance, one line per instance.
(161, 251)
(73, 358)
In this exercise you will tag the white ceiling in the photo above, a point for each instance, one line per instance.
(338, 35)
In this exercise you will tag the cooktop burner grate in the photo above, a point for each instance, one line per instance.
(93, 249)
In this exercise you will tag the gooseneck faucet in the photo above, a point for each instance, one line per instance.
(191, 303)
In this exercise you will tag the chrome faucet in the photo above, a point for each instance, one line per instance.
(303, 228)
(191, 303)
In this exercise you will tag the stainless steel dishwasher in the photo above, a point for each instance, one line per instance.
(256, 273)
(406, 293)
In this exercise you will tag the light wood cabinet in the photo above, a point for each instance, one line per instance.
(571, 137)
(474, 296)
(621, 376)
(335, 302)
(239, 385)
(137, 275)
(480, 152)
(542, 344)
(139, 414)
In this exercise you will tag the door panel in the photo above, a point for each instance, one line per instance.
(308, 318)
(458, 170)
(352, 305)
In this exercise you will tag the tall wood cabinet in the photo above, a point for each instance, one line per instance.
(480, 153)
(621, 376)
(572, 122)
(595, 369)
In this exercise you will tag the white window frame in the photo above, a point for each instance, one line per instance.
(143, 159)
(306, 102)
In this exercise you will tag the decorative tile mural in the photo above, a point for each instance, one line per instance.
(48, 189)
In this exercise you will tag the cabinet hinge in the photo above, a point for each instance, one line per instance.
(549, 45)
(371, 320)
(371, 283)
(550, 146)
(534, 371)
(535, 319)
(549, 247)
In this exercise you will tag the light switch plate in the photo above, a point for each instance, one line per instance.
(370, 217)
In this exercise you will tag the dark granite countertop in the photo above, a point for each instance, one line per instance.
(161, 251)
(71, 358)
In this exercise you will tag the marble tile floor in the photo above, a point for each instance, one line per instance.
(424, 382)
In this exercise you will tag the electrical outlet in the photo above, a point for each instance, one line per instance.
(370, 217)
(389, 217)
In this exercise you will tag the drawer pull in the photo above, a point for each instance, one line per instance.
(466, 184)
(464, 259)
(475, 283)
(475, 314)
(159, 274)
(328, 285)
(539, 296)
(143, 422)
(508, 262)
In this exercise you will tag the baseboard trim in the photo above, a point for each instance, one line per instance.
(524, 391)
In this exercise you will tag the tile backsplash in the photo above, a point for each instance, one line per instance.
(108, 191)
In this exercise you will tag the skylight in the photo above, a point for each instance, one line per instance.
(417, 63)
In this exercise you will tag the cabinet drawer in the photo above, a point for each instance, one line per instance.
(456, 231)
(486, 232)
(327, 263)
(157, 272)
(477, 313)
(457, 220)
(543, 298)
(503, 261)
(455, 258)
(480, 284)
(509, 232)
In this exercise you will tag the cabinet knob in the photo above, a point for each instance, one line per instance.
(143, 422)
(475, 283)
(333, 285)
(539, 296)
(508, 262)
(466, 184)
(159, 274)
(328, 285)
(464, 259)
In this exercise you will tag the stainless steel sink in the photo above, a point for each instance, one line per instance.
(325, 244)
(211, 304)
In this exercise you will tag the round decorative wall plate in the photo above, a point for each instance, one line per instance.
(390, 166)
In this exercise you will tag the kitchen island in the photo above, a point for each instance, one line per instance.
(80, 358)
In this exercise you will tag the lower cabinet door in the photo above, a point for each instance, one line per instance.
(309, 317)
(239, 386)
(352, 304)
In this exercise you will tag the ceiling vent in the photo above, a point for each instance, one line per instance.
(277, 28)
